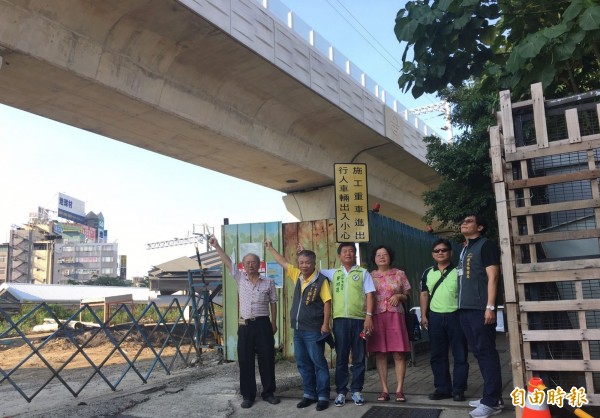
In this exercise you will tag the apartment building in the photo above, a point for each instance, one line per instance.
(84, 261)
(49, 251)
(4, 262)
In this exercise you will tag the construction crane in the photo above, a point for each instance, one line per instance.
(442, 106)
(202, 297)
(192, 237)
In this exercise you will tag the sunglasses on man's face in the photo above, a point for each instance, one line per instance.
(441, 250)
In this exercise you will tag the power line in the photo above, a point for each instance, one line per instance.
(394, 66)
(399, 64)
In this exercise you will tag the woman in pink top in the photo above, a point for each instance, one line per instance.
(390, 336)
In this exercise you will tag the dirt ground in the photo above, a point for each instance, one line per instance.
(80, 372)
(97, 347)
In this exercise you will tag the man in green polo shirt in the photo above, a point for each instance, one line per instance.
(309, 316)
(439, 315)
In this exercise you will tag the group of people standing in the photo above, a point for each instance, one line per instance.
(457, 306)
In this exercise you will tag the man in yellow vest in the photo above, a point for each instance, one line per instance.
(309, 316)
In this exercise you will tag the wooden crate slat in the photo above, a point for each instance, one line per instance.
(496, 154)
(523, 103)
(556, 236)
(514, 343)
(505, 249)
(554, 179)
(557, 147)
(588, 263)
(539, 115)
(593, 399)
(555, 207)
(563, 365)
(513, 221)
(508, 130)
(559, 305)
(562, 335)
(573, 126)
(558, 276)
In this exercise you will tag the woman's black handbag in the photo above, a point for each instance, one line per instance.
(412, 323)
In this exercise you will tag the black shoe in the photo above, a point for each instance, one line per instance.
(458, 397)
(436, 396)
(247, 403)
(272, 400)
(305, 402)
(321, 405)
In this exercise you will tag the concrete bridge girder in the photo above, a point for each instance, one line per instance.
(154, 74)
(320, 204)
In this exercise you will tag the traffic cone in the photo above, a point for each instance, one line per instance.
(531, 410)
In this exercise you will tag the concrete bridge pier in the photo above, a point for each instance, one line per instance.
(311, 205)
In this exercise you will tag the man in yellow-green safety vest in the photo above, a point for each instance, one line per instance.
(353, 294)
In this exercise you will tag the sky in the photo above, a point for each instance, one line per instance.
(146, 197)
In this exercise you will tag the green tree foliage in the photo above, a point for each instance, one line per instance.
(464, 165)
(507, 44)
(103, 281)
(108, 281)
(449, 41)
(467, 51)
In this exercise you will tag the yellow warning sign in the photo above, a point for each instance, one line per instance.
(351, 202)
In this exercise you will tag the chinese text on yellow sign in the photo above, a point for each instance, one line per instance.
(351, 205)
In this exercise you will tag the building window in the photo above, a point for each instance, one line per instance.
(2, 259)
(107, 259)
(2, 271)
(86, 271)
(107, 271)
(87, 259)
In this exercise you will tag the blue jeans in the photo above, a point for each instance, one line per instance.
(310, 359)
(445, 332)
(482, 341)
(346, 332)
